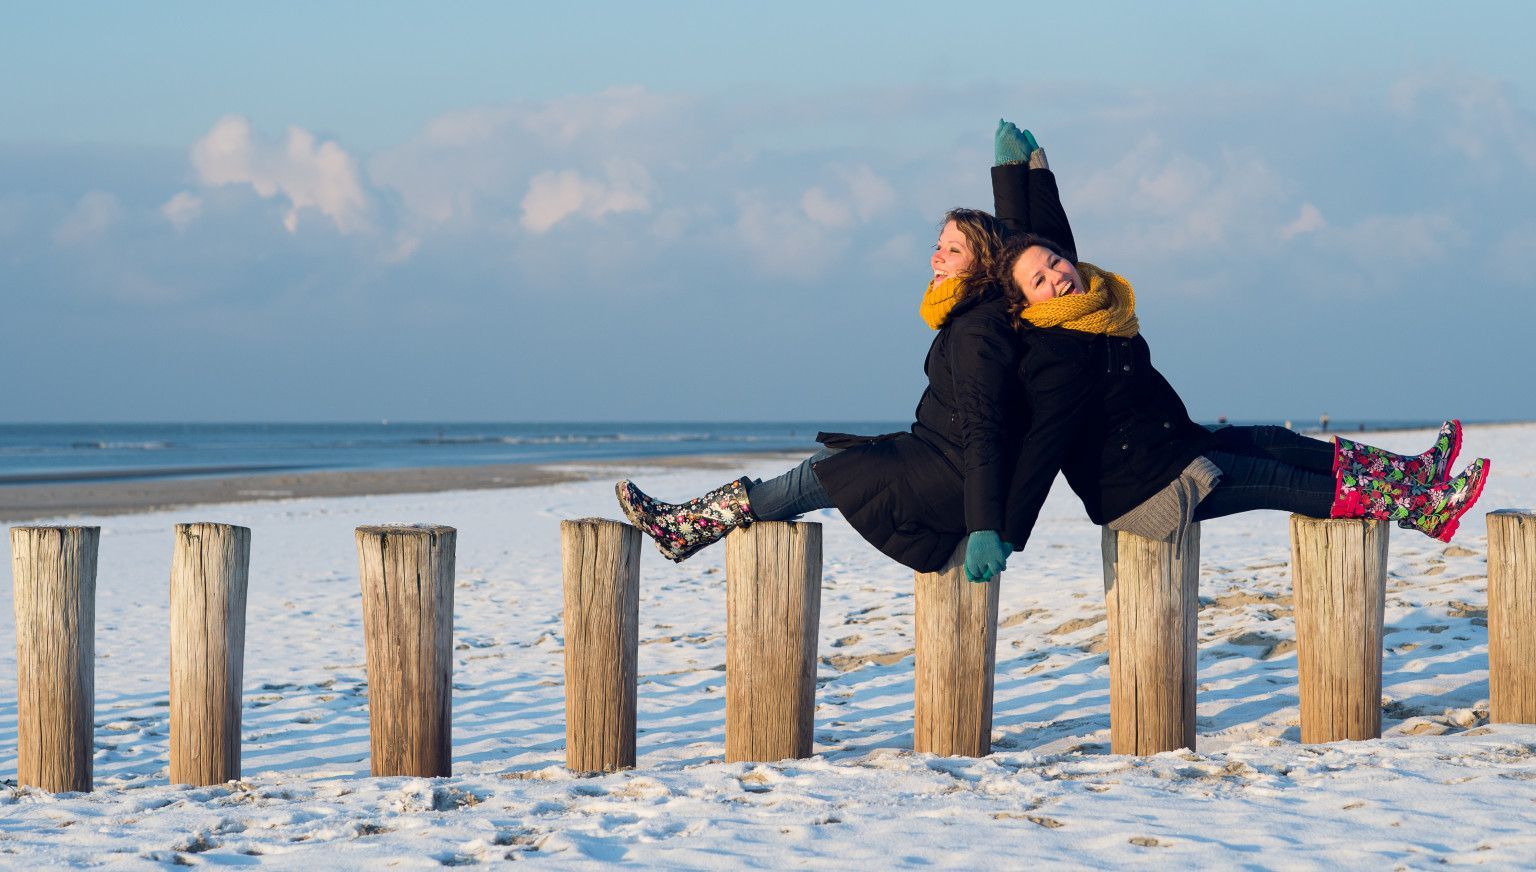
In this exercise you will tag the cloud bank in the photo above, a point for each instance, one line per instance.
(544, 236)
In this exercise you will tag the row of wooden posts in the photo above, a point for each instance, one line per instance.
(773, 603)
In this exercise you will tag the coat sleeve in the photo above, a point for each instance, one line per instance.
(1027, 201)
(983, 359)
(1059, 389)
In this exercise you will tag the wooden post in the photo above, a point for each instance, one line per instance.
(956, 651)
(600, 561)
(1151, 595)
(1339, 573)
(1512, 616)
(407, 580)
(772, 616)
(54, 573)
(210, 567)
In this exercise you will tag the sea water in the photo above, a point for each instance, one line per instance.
(54, 453)
(51, 453)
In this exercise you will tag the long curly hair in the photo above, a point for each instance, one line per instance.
(984, 233)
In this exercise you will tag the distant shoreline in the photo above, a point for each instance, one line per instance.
(59, 496)
(29, 502)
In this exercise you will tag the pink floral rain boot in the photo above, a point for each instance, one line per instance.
(1434, 509)
(1431, 467)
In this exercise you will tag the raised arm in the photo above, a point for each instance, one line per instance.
(1024, 193)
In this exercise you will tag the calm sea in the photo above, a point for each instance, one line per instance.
(53, 453)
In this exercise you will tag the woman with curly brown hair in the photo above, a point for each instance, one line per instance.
(917, 494)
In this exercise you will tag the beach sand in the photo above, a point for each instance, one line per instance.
(26, 502)
(1443, 786)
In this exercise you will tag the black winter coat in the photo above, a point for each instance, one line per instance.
(1104, 417)
(916, 495)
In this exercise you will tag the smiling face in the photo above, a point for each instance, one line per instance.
(952, 255)
(1041, 274)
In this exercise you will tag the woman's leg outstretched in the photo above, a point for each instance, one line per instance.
(1275, 443)
(1327, 456)
(1357, 489)
(792, 494)
(1249, 483)
(682, 529)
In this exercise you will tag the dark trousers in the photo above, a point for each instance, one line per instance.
(1261, 468)
(1269, 468)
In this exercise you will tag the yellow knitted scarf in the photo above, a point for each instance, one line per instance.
(1108, 306)
(938, 299)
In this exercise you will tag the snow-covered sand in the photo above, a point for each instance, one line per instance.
(1442, 786)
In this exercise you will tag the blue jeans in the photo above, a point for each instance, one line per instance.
(792, 494)
(1269, 468)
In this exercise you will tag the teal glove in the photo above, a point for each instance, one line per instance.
(1012, 144)
(986, 555)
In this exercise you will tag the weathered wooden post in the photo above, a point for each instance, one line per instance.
(407, 580)
(210, 567)
(772, 616)
(1339, 573)
(956, 628)
(600, 562)
(1151, 594)
(1512, 616)
(54, 572)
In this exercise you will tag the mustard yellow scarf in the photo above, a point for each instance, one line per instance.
(1108, 306)
(938, 299)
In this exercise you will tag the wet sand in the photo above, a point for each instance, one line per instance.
(28, 502)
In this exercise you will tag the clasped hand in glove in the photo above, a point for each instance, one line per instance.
(1012, 144)
(986, 555)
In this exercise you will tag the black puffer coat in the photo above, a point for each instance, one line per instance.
(916, 495)
(1103, 417)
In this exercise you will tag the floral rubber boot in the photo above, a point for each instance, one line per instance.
(680, 529)
(1434, 509)
(1431, 467)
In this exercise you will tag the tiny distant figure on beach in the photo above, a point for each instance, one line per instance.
(1039, 367)
(1322, 422)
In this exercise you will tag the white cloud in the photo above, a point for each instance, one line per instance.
(1309, 220)
(404, 246)
(94, 214)
(594, 115)
(182, 209)
(554, 196)
(862, 195)
(1476, 116)
(310, 174)
(824, 209)
(780, 240)
(1158, 198)
(1399, 241)
(474, 166)
(870, 195)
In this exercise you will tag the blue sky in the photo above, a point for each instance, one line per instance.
(722, 211)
